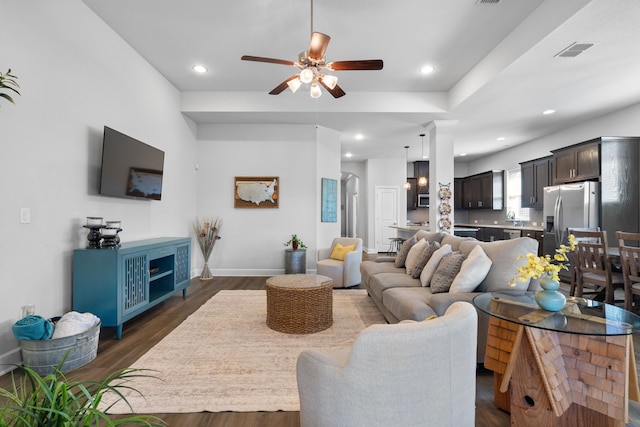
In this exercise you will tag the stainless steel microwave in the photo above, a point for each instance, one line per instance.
(423, 200)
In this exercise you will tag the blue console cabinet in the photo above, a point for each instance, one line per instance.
(120, 283)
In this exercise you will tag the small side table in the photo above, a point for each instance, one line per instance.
(299, 303)
(295, 261)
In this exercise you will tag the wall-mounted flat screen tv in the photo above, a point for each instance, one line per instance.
(130, 168)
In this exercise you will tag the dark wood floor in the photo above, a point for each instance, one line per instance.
(143, 332)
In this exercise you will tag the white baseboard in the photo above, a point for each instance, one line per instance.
(10, 360)
(247, 272)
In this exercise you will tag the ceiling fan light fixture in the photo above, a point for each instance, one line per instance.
(330, 81)
(294, 84)
(306, 75)
(315, 91)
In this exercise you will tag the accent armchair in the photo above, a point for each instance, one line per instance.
(343, 273)
(406, 374)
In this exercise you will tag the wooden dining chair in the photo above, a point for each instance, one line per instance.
(629, 246)
(572, 262)
(593, 266)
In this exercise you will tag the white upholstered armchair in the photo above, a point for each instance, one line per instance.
(343, 273)
(406, 374)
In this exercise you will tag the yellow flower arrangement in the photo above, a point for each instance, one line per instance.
(538, 266)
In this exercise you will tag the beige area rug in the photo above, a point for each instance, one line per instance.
(224, 357)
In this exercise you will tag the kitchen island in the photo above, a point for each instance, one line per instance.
(407, 231)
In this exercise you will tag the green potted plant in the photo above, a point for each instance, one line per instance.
(295, 243)
(55, 400)
(8, 82)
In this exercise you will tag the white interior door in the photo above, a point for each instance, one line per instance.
(386, 215)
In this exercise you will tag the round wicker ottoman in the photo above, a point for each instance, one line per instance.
(299, 303)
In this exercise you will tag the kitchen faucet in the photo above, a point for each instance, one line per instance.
(511, 216)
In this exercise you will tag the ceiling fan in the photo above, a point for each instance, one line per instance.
(313, 65)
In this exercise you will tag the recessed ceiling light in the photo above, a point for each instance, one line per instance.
(463, 154)
(502, 138)
(547, 112)
(348, 155)
(427, 69)
(359, 137)
(200, 69)
(425, 157)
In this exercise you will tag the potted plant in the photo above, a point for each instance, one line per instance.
(8, 82)
(55, 400)
(295, 243)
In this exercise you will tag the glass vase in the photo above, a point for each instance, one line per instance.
(206, 273)
(549, 298)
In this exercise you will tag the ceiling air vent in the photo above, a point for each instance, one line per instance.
(574, 50)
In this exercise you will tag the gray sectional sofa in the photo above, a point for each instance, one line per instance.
(400, 296)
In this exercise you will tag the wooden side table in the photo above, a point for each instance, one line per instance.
(570, 368)
(299, 303)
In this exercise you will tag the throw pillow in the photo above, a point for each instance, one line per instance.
(340, 251)
(472, 272)
(401, 256)
(413, 255)
(432, 265)
(425, 256)
(446, 272)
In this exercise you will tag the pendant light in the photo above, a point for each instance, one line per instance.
(422, 180)
(407, 184)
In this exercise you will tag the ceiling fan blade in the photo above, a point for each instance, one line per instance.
(318, 45)
(269, 60)
(282, 86)
(365, 64)
(337, 91)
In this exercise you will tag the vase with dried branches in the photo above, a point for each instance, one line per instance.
(207, 232)
(8, 82)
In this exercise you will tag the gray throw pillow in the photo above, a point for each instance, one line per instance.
(425, 256)
(446, 272)
(401, 256)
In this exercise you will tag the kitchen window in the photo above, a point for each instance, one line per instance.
(514, 196)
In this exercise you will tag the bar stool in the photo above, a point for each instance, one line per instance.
(395, 243)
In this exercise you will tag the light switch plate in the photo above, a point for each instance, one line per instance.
(25, 215)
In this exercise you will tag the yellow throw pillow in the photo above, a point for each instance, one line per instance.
(340, 251)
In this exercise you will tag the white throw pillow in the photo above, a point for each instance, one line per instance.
(432, 264)
(413, 255)
(472, 272)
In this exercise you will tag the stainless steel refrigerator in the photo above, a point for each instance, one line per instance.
(568, 206)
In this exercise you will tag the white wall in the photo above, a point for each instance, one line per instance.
(299, 156)
(328, 166)
(383, 172)
(76, 76)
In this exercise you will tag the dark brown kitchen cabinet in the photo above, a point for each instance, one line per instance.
(578, 162)
(537, 235)
(483, 191)
(535, 175)
(492, 234)
(457, 193)
(412, 194)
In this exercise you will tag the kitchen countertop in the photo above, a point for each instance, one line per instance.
(426, 228)
(506, 226)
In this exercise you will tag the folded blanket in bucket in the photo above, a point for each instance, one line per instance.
(73, 323)
(33, 328)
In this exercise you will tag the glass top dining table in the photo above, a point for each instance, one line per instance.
(579, 315)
